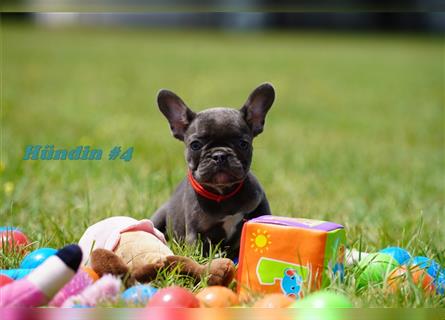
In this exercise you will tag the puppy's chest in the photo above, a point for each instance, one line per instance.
(230, 223)
(215, 219)
(212, 226)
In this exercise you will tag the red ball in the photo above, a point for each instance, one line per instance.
(13, 240)
(174, 297)
(4, 280)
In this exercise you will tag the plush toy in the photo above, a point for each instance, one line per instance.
(124, 246)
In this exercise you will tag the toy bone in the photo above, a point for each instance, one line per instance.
(123, 245)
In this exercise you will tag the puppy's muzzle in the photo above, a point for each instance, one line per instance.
(220, 157)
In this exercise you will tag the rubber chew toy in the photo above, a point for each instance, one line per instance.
(105, 289)
(43, 283)
(76, 285)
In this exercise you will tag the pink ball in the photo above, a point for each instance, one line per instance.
(174, 297)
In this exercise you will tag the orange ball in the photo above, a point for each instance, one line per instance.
(93, 275)
(419, 276)
(274, 300)
(217, 297)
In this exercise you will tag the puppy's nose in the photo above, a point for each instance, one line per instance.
(220, 157)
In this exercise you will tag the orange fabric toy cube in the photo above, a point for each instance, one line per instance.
(281, 254)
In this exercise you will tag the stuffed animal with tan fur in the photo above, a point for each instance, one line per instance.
(135, 250)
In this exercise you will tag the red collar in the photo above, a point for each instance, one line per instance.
(210, 195)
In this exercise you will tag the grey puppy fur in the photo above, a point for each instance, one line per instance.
(218, 152)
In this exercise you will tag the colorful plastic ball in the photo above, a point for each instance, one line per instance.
(36, 257)
(399, 277)
(80, 306)
(217, 297)
(374, 268)
(139, 294)
(274, 300)
(339, 271)
(174, 297)
(440, 283)
(322, 305)
(431, 266)
(16, 274)
(13, 240)
(7, 228)
(173, 314)
(401, 255)
(4, 280)
(321, 300)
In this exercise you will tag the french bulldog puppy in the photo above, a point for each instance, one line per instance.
(219, 193)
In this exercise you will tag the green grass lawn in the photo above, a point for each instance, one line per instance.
(355, 135)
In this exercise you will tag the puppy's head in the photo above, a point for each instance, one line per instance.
(218, 140)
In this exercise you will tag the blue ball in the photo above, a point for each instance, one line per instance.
(7, 228)
(80, 306)
(440, 283)
(339, 270)
(401, 255)
(139, 294)
(16, 274)
(36, 258)
(431, 266)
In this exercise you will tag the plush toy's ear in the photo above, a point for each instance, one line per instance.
(256, 107)
(176, 111)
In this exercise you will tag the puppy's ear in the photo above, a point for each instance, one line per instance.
(255, 109)
(176, 111)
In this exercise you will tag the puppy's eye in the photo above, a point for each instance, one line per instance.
(243, 144)
(196, 145)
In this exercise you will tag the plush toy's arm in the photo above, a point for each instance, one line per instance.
(186, 266)
(148, 272)
(106, 262)
(219, 271)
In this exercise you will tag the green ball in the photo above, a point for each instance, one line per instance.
(322, 305)
(321, 300)
(374, 268)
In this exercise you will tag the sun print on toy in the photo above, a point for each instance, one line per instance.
(260, 241)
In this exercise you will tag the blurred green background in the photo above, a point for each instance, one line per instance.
(355, 135)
